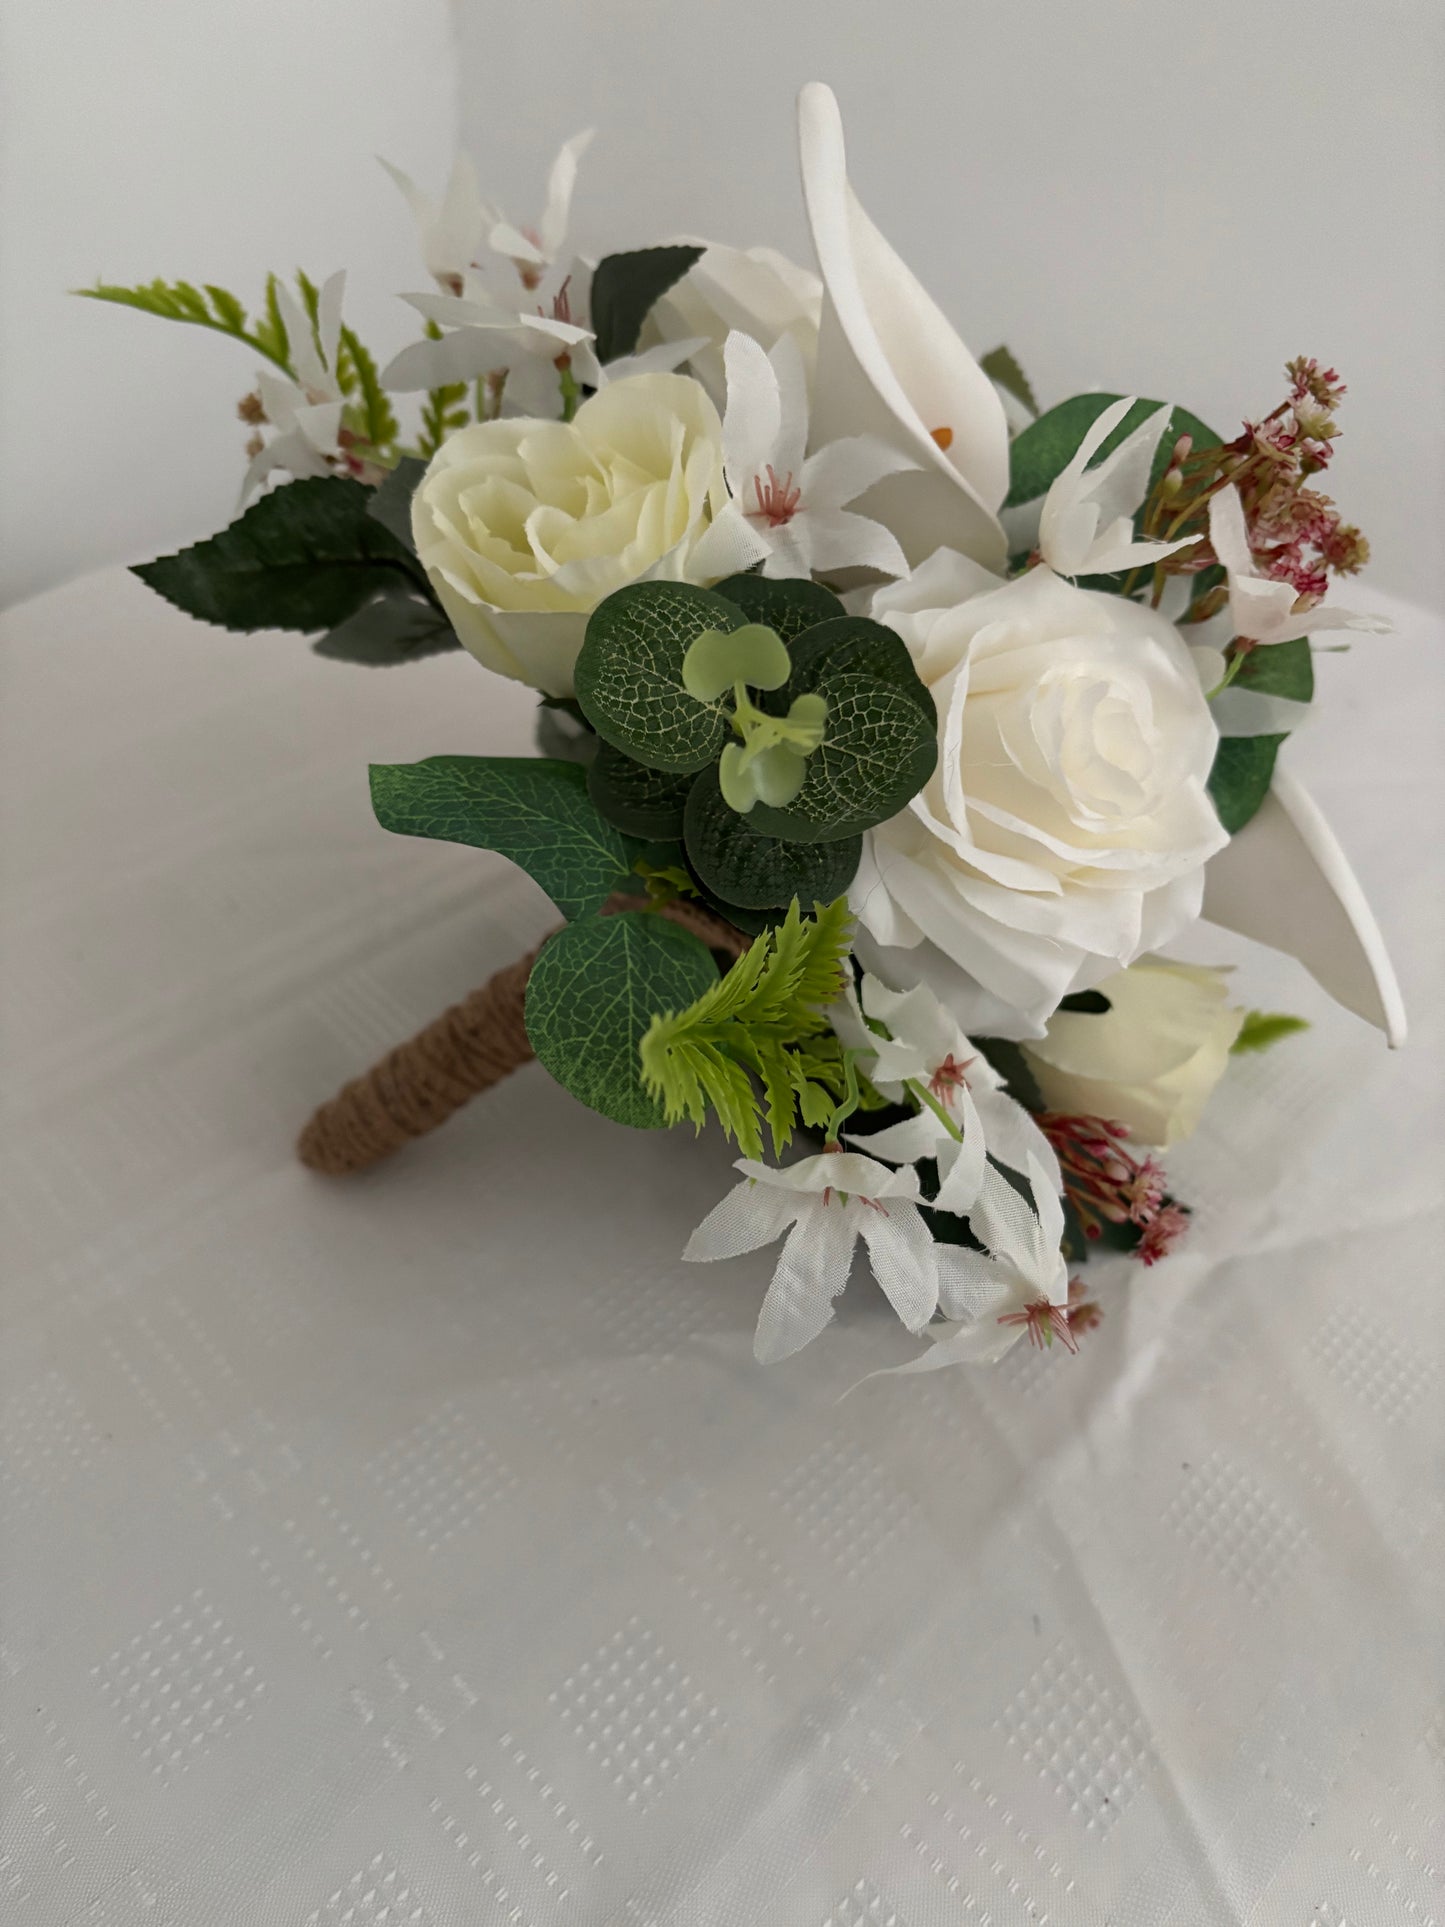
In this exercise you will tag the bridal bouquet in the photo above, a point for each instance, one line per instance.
(889, 726)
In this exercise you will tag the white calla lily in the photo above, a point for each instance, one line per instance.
(1086, 525)
(825, 1204)
(890, 364)
(787, 509)
(1261, 610)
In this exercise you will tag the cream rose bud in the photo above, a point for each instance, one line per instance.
(1066, 827)
(1151, 1060)
(524, 526)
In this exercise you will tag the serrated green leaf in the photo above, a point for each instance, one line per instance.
(593, 994)
(533, 811)
(1046, 447)
(1261, 1028)
(393, 629)
(643, 802)
(390, 502)
(1241, 776)
(304, 557)
(624, 288)
(786, 605)
(743, 865)
(1001, 366)
(629, 673)
(878, 751)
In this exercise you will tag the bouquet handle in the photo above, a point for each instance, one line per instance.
(469, 1048)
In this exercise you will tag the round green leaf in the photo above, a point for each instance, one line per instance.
(788, 607)
(853, 645)
(593, 991)
(629, 673)
(879, 751)
(644, 802)
(741, 864)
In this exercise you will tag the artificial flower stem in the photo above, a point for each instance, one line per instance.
(849, 1102)
(571, 388)
(925, 1097)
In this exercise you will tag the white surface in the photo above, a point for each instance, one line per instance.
(198, 143)
(428, 1549)
(1168, 199)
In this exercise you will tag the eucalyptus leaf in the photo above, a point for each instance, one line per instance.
(594, 991)
(392, 629)
(533, 811)
(304, 557)
(644, 802)
(629, 674)
(853, 645)
(787, 605)
(877, 752)
(625, 286)
(743, 865)
(1046, 447)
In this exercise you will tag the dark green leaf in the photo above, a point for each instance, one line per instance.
(1087, 1003)
(624, 289)
(1012, 1066)
(849, 646)
(629, 673)
(592, 994)
(1047, 446)
(390, 502)
(304, 557)
(879, 751)
(393, 629)
(535, 812)
(1001, 366)
(644, 802)
(786, 607)
(741, 865)
(1240, 778)
(1280, 669)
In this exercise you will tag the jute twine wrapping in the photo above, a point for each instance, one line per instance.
(465, 1051)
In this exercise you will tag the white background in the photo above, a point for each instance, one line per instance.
(1168, 197)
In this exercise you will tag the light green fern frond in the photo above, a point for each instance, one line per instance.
(207, 307)
(375, 419)
(756, 1048)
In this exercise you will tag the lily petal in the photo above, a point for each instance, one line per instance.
(890, 364)
(1284, 881)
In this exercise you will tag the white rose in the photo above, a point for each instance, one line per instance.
(524, 526)
(756, 290)
(1067, 825)
(1151, 1060)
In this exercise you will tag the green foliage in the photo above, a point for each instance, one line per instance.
(629, 674)
(642, 801)
(206, 307)
(765, 1021)
(1048, 445)
(1240, 778)
(392, 629)
(593, 994)
(304, 557)
(445, 409)
(375, 419)
(1012, 1066)
(1280, 669)
(878, 752)
(390, 503)
(624, 288)
(855, 646)
(787, 606)
(1261, 1028)
(535, 812)
(744, 865)
(1001, 366)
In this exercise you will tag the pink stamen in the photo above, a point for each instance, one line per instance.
(949, 1079)
(1044, 1322)
(778, 502)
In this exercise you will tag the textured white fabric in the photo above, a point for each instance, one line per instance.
(427, 1549)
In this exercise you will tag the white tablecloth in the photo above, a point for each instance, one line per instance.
(427, 1549)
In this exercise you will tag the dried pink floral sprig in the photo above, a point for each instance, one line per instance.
(1105, 1181)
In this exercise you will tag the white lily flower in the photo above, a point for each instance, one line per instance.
(787, 509)
(990, 1299)
(453, 229)
(305, 412)
(825, 1204)
(1081, 499)
(927, 1050)
(533, 249)
(891, 364)
(1263, 611)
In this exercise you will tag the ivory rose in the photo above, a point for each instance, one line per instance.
(1151, 1060)
(524, 526)
(1066, 827)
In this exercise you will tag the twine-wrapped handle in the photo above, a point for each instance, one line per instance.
(460, 1054)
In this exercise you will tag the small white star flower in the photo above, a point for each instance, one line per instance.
(1086, 525)
(1260, 610)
